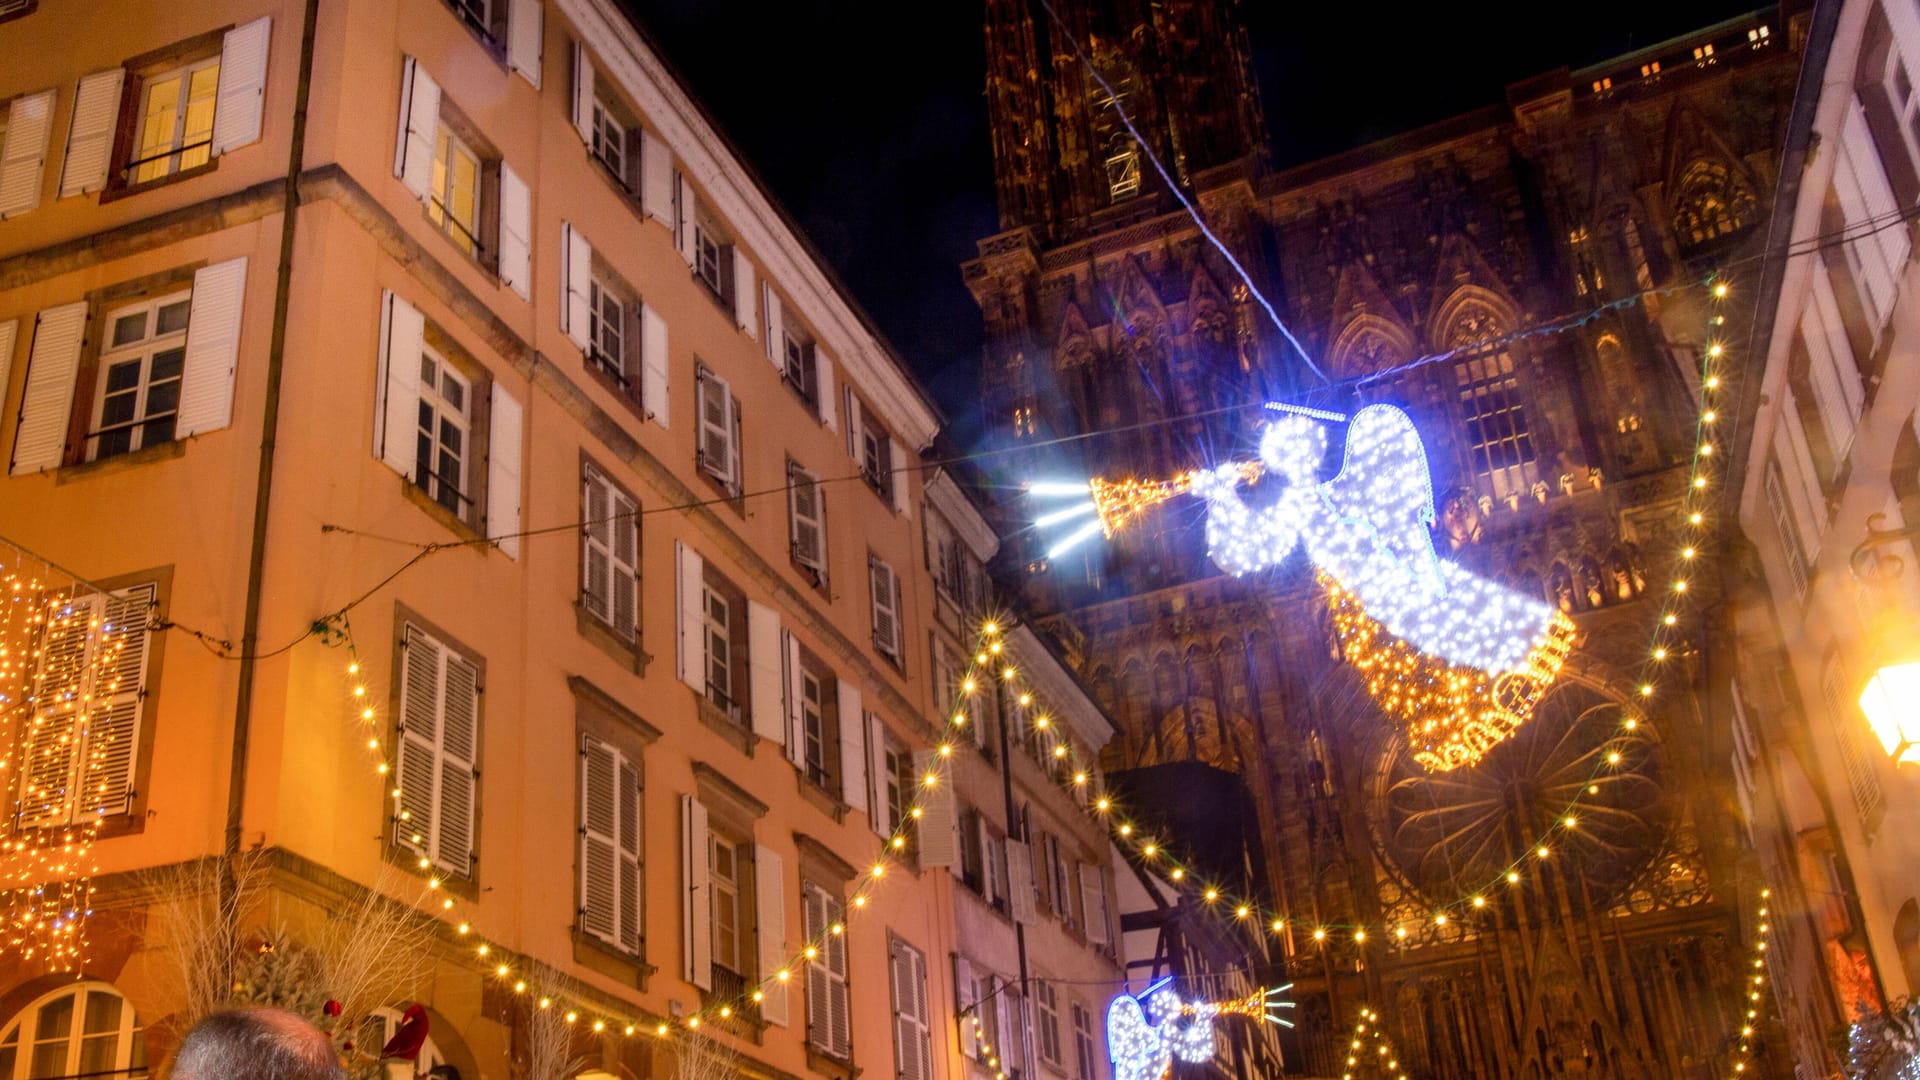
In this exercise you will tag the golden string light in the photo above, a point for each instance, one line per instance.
(1370, 1052)
(1752, 980)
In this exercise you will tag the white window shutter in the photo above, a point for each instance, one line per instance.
(656, 179)
(516, 230)
(421, 660)
(596, 546)
(764, 672)
(745, 309)
(716, 427)
(1881, 206)
(402, 330)
(965, 996)
(839, 1002)
(689, 577)
(113, 737)
(795, 712)
(524, 24)
(879, 814)
(653, 364)
(823, 371)
(775, 328)
(629, 855)
(9, 336)
(1020, 880)
(213, 347)
(770, 894)
(419, 125)
(50, 745)
(40, 440)
(696, 919)
(625, 527)
(683, 215)
(855, 435)
(853, 746)
(505, 438)
(599, 840)
(96, 106)
(1840, 348)
(813, 924)
(576, 282)
(899, 482)
(807, 532)
(239, 104)
(939, 826)
(23, 157)
(583, 92)
(1093, 902)
(456, 838)
(886, 611)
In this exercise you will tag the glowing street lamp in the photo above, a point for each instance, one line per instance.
(1891, 701)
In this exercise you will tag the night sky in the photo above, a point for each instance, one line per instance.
(869, 120)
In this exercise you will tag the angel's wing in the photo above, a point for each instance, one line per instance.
(1383, 500)
(1139, 1053)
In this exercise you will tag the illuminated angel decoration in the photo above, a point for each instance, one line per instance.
(1459, 659)
(1146, 1033)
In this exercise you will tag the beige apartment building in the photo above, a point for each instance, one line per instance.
(444, 349)
(1829, 495)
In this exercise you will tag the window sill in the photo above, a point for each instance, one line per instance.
(627, 194)
(628, 395)
(418, 496)
(111, 825)
(729, 494)
(625, 651)
(476, 258)
(628, 969)
(827, 1065)
(812, 575)
(115, 192)
(132, 459)
(826, 801)
(734, 731)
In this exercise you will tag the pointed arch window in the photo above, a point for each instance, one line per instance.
(1499, 438)
(81, 1029)
(1709, 203)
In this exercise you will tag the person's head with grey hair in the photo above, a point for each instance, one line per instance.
(256, 1044)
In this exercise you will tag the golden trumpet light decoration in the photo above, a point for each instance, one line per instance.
(1459, 659)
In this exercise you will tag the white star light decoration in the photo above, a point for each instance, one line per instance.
(1143, 1040)
(1460, 659)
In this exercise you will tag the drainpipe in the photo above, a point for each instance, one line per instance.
(1019, 929)
(269, 434)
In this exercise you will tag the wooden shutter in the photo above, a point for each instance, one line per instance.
(886, 607)
(9, 336)
(853, 745)
(796, 689)
(112, 739)
(683, 216)
(808, 530)
(1020, 880)
(716, 427)
(40, 439)
(504, 448)
(1893, 241)
(629, 855)
(775, 329)
(421, 660)
(1093, 902)
(823, 375)
(456, 839)
(696, 918)
(599, 841)
(993, 862)
(213, 347)
(880, 815)
(23, 157)
(625, 584)
(1825, 312)
(899, 479)
(745, 312)
(770, 904)
(813, 923)
(596, 546)
(912, 1053)
(583, 93)
(51, 746)
(524, 19)
(839, 1002)
(938, 827)
(856, 438)
(576, 280)
(396, 418)
(689, 580)
(656, 179)
(239, 104)
(419, 124)
(965, 996)
(764, 672)
(96, 106)
(653, 364)
(516, 230)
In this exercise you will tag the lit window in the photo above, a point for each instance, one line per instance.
(84, 1029)
(1123, 174)
(1759, 34)
(1647, 70)
(176, 120)
(138, 396)
(1499, 440)
(453, 203)
(1703, 53)
(442, 435)
(1710, 202)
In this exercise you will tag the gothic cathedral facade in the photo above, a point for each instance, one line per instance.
(1529, 281)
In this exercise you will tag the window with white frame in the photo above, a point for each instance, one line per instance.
(137, 399)
(443, 437)
(1891, 103)
(807, 517)
(972, 851)
(609, 553)
(78, 762)
(710, 260)
(717, 615)
(609, 145)
(439, 722)
(896, 786)
(829, 1008)
(730, 870)
(1856, 759)
(78, 1029)
(1786, 534)
(1084, 1068)
(718, 454)
(819, 722)
(993, 849)
(610, 330)
(486, 18)
(1046, 1012)
(798, 367)
(610, 845)
(884, 596)
(175, 122)
(876, 454)
(912, 1042)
